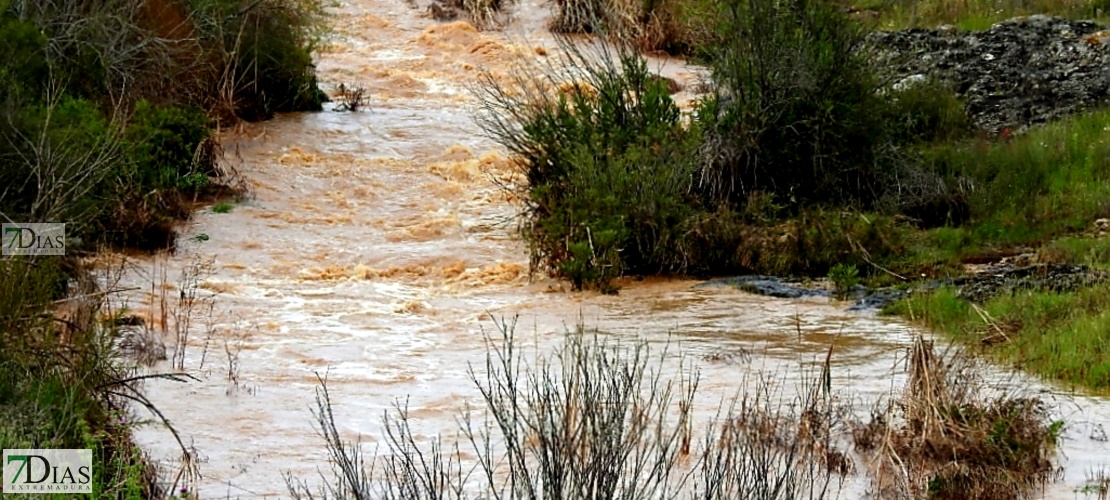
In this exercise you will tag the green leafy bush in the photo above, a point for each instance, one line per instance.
(161, 143)
(265, 53)
(844, 277)
(53, 155)
(608, 167)
(22, 49)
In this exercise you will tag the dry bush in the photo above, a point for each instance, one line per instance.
(598, 419)
(483, 14)
(673, 26)
(487, 14)
(350, 97)
(613, 18)
(949, 438)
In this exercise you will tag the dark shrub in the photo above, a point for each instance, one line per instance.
(161, 143)
(51, 156)
(796, 112)
(926, 111)
(22, 48)
(264, 51)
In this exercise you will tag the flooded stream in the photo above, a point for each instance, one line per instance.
(375, 247)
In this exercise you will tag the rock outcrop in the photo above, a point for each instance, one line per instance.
(1018, 73)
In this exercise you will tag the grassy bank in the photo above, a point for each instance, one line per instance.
(1039, 195)
(1062, 336)
(689, 27)
(1044, 191)
(62, 383)
(970, 14)
(107, 113)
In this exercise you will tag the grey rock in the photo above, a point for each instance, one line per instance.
(1018, 73)
(767, 285)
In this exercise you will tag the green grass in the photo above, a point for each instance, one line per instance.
(222, 208)
(1042, 191)
(973, 15)
(1039, 189)
(55, 380)
(1063, 337)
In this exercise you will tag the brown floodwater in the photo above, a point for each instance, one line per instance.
(376, 247)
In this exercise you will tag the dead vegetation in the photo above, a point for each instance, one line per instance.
(350, 97)
(674, 27)
(483, 14)
(598, 419)
(950, 437)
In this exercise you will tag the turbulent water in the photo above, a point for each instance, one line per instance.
(376, 247)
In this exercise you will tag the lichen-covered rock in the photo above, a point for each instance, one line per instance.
(1017, 73)
(1039, 277)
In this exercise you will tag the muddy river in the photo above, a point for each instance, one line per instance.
(374, 246)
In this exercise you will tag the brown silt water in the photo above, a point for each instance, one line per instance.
(375, 247)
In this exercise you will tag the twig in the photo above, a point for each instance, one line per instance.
(97, 294)
(867, 259)
(990, 322)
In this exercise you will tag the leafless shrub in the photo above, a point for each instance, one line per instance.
(60, 167)
(596, 420)
(189, 304)
(144, 47)
(350, 97)
(351, 479)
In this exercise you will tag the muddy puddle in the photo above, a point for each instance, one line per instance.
(375, 248)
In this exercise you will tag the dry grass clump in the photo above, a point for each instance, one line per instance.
(947, 438)
(487, 14)
(672, 26)
(483, 14)
(675, 26)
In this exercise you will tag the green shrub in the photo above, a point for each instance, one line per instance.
(22, 48)
(796, 112)
(53, 155)
(844, 277)
(608, 164)
(927, 111)
(265, 54)
(161, 143)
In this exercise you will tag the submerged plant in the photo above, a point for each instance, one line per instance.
(845, 277)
